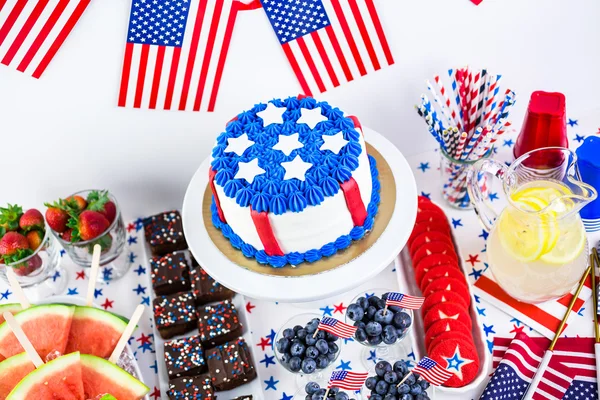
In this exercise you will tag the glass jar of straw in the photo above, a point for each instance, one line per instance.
(454, 179)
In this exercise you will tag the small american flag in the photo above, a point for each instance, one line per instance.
(404, 301)
(176, 52)
(347, 380)
(329, 42)
(338, 328)
(431, 371)
(32, 32)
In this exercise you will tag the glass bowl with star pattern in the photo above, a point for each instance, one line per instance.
(114, 262)
(306, 341)
(375, 347)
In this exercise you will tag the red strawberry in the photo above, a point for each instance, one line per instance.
(13, 247)
(9, 218)
(89, 225)
(99, 201)
(32, 219)
(35, 239)
(79, 202)
(66, 235)
(110, 211)
(57, 219)
(31, 265)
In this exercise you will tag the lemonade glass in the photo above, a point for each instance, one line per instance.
(537, 247)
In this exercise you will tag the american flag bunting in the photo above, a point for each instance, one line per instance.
(32, 32)
(347, 380)
(338, 328)
(404, 301)
(431, 371)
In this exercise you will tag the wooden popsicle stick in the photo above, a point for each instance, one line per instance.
(137, 314)
(22, 338)
(16, 288)
(93, 275)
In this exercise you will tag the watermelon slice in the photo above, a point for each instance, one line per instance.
(12, 308)
(47, 327)
(94, 332)
(12, 370)
(58, 379)
(101, 377)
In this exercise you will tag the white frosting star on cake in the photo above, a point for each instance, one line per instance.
(296, 168)
(249, 170)
(238, 145)
(334, 142)
(287, 144)
(311, 117)
(272, 114)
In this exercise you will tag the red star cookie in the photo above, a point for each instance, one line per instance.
(449, 284)
(445, 326)
(442, 271)
(442, 296)
(434, 248)
(447, 311)
(449, 335)
(459, 357)
(428, 237)
(429, 227)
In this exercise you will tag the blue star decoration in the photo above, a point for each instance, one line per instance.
(493, 196)
(132, 257)
(488, 330)
(490, 344)
(572, 122)
(367, 295)
(140, 270)
(344, 366)
(476, 298)
(107, 273)
(508, 143)
(348, 340)
(475, 273)
(268, 360)
(154, 367)
(5, 295)
(97, 293)
(373, 356)
(580, 312)
(326, 310)
(132, 240)
(271, 384)
(481, 311)
(146, 346)
(427, 195)
(55, 276)
(271, 337)
(140, 289)
(424, 166)
(454, 362)
(412, 355)
(516, 321)
(484, 234)
(286, 397)
(145, 300)
(63, 252)
(72, 292)
(456, 223)
(579, 138)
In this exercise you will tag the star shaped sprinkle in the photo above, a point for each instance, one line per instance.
(295, 169)
(334, 142)
(287, 144)
(272, 114)
(249, 170)
(238, 145)
(311, 117)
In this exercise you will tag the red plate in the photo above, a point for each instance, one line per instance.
(442, 296)
(459, 357)
(450, 284)
(442, 271)
(428, 237)
(434, 248)
(447, 311)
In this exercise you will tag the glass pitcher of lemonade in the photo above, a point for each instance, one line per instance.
(537, 247)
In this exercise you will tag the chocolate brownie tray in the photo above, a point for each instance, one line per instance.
(405, 273)
(188, 323)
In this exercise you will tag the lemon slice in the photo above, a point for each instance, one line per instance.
(546, 194)
(570, 246)
(524, 237)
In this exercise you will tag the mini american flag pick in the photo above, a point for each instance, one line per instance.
(431, 372)
(338, 328)
(32, 32)
(329, 42)
(347, 380)
(404, 301)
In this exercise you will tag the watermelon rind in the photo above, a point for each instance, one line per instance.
(118, 323)
(108, 397)
(41, 375)
(34, 312)
(115, 374)
(10, 307)
(8, 368)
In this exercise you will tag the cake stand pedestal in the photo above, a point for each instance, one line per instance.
(306, 288)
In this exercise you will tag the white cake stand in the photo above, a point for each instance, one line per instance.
(298, 289)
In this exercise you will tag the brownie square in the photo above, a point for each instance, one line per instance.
(164, 233)
(205, 288)
(184, 357)
(218, 323)
(174, 314)
(230, 365)
(191, 388)
(170, 273)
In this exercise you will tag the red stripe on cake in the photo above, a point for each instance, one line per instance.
(211, 181)
(354, 202)
(265, 232)
(357, 124)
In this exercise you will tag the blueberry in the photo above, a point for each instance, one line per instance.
(297, 328)
(362, 302)
(309, 366)
(283, 345)
(312, 352)
(407, 397)
(322, 361)
(404, 388)
(312, 387)
(310, 340)
(375, 340)
(301, 334)
(360, 324)
(295, 364)
(373, 300)
(373, 328)
(308, 397)
(334, 390)
(401, 332)
(384, 316)
(289, 333)
(341, 396)
(400, 367)
(331, 356)
(402, 320)
(422, 396)
(322, 346)
(360, 335)
(311, 328)
(333, 348)
(411, 379)
(395, 309)
(416, 389)
(385, 295)
(355, 312)
(382, 367)
(371, 382)
(380, 304)
(389, 335)
(391, 377)
(389, 397)
(285, 358)
(424, 384)
(330, 337)
(393, 389)
(381, 387)
(297, 348)
(319, 395)
(376, 397)
(371, 310)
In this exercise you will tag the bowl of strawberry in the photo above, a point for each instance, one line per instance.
(86, 219)
(27, 247)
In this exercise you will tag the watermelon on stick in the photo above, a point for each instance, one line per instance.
(12, 370)
(12, 308)
(102, 377)
(94, 331)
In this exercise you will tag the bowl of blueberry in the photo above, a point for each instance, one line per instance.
(299, 348)
(315, 391)
(383, 380)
